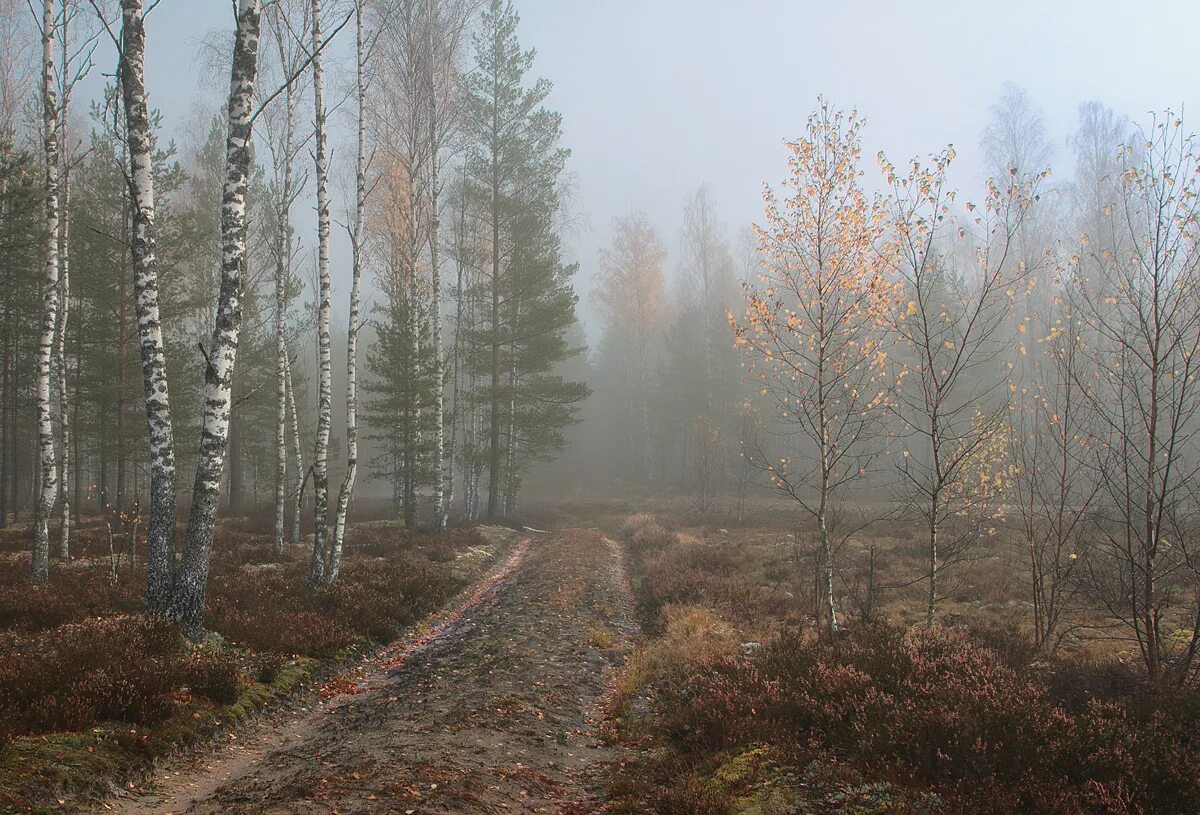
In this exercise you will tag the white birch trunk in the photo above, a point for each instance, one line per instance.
(60, 355)
(324, 388)
(435, 149)
(187, 600)
(64, 299)
(456, 398)
(297, 453)
(160, 557)
(439, 374)
(48, 488)
(356, 239)
(282, 275)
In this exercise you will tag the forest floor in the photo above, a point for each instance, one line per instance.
(489, 707)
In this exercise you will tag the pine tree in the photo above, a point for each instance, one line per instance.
(401, 378)
(21, 246)
(514, 166)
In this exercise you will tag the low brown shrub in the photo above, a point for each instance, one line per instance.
(116, 668)
(75, 592)
(933, 710)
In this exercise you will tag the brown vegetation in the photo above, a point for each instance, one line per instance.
(82, 671)
(743, 707)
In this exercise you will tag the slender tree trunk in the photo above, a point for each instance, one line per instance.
(316, 574)
(510, 440)
(40, 565)
(6, 377)
(282, 275)
(280, 397)
(297, 454)
(122, 347)
(187, 601)
(64, 420)
(14, 433)
(439, 373)
(160, 553)
(235, 482)
(456, 399)
(494, 460)
(412, 424)
(76, 457)
(357, 237)
(827, 557)
(931, 607)
(5, 408)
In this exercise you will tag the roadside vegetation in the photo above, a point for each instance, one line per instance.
(92, 689)
(739, 702)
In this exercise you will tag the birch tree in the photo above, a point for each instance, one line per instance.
(75, 66)
(297, 452)
(48, 488)
(952, 404)
(187, 601)
(160, 433)
(316, 574)
(1140, 313)
(282, 143)
(630, 295)
(1053, 439)
(813, 328)
(357, 234)
(401, 230)
(445, 26)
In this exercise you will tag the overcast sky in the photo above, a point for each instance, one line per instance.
(659, 96)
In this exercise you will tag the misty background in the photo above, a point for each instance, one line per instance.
(660, 97)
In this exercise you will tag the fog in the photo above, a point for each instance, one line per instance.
(660, 97)
(720, 407)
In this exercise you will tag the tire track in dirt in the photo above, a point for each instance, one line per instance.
(492, 708)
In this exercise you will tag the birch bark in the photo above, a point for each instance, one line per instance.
(160, 560)
(297, 453)
(357, 236)
(64, 294)
(187, 600)
(316, 574)
(48, 488)
(282, 274)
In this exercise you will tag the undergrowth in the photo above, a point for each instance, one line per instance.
(880, 718)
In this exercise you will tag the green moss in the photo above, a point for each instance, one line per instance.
(287, 678)
(743, 768)
(34, 769)
(751, 782)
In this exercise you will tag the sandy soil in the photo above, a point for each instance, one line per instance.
(489, 708)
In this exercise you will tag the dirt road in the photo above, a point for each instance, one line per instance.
(487, 710)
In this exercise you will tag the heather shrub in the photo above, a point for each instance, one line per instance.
(1140, 757)
(117, 668)
(927, 710)
(214, 674)
(712, 575)
(74, 593)
(274, 609)
(378, 598)
(635, 522)
(646, 535)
